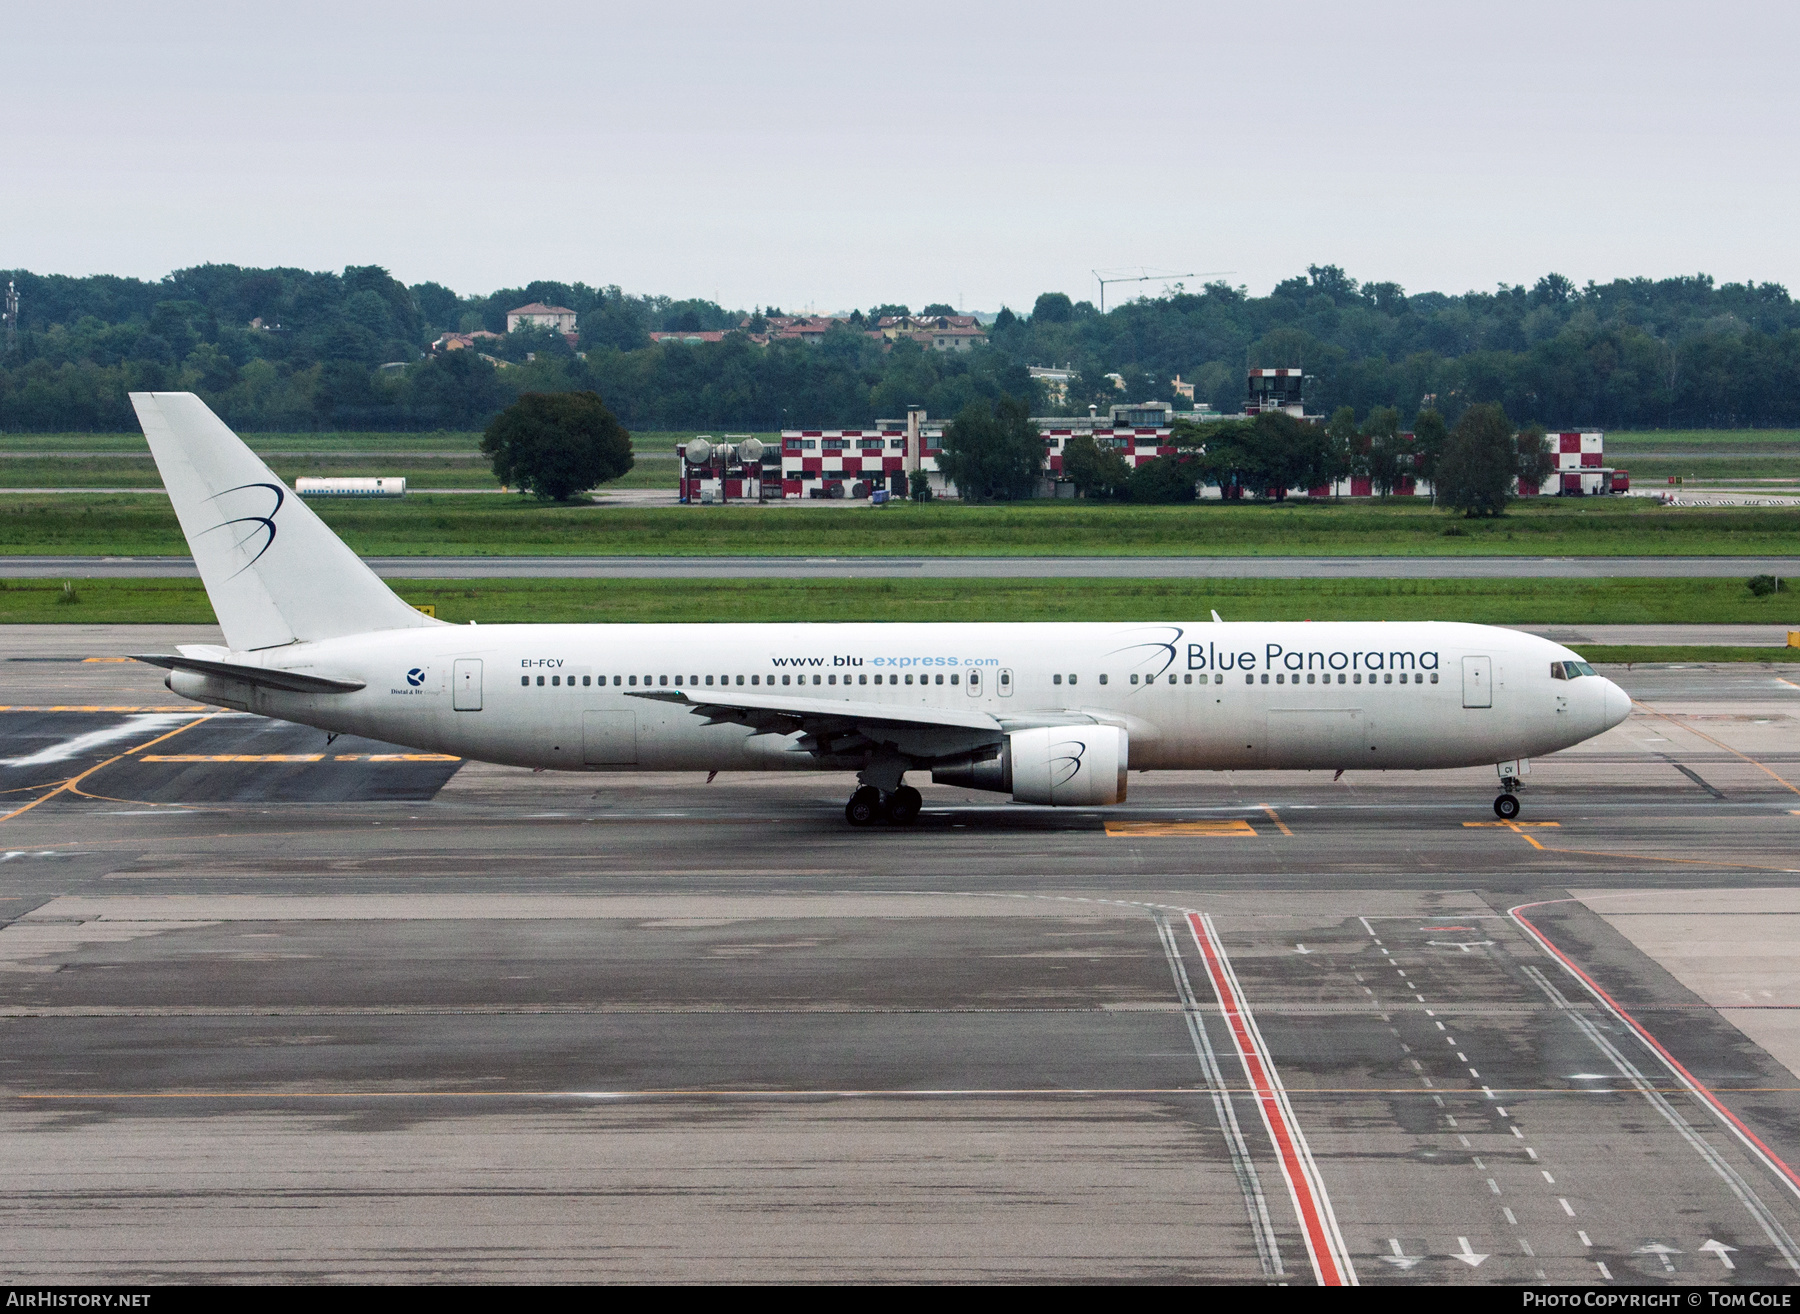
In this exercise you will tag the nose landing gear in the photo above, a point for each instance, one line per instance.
(1506, 807)
(899, 807)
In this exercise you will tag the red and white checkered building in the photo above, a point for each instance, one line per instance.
(856, 462)
(853, 463)
(1581, 468)
(1580, 471)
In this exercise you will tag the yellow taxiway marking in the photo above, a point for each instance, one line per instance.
(1279, 823)
(71, 785)
(1216, 829)
(91, 707)
(1516, 827)
(298, 757)
(1785, 784)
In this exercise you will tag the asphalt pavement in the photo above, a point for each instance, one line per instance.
(275, 1009)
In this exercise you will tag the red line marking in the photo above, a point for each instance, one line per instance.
(1263, 1082)
(1694, 1083)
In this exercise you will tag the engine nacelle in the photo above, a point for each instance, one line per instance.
(1064, 766)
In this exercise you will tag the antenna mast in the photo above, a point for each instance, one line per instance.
(11, 316)
(1105, 276)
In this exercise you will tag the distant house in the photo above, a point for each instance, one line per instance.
(463, 341)
(694, 335)
(938, 332)
(558, 319)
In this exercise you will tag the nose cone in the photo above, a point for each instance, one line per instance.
(1617, 704)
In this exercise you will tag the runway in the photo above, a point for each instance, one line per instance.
(1032, 567)
(278, 1009)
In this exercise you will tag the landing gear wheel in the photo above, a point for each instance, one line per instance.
(864, 806)
(1506, 807)
(901, 808)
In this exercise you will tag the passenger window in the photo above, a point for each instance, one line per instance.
(1280, 679)
(677, 682)
(1071, 679)
(784, 679)
(909, 679)
(740, 679)
(1433, 678)
(709, 680)
(1102, 679)
(1357, 679)
(540, 679)
(1309, 678)
(1251, 679)
(1387, 679)
(831, 680)
(815, 679)
(662, 679)
(556, 679)
(862, 679)
(1134, 679)
(1265, 679)
(940, 679)
(524, 679)
(1056, 679)
(634, 680)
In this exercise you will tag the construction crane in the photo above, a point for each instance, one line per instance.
(1105, 276)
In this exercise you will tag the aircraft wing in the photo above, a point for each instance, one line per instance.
(831, 727)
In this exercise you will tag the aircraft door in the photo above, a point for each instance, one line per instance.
(466, 696)
(974, 682)
(1478, 681)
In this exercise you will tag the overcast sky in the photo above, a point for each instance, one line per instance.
(838, 155)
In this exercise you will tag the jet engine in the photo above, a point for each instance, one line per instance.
(1064, 766)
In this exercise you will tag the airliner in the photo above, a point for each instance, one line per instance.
(1049, 714)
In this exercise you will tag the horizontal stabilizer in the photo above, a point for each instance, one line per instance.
(291, 681)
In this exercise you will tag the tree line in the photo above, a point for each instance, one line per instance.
(290, 349)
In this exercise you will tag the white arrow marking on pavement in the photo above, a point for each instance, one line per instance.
(1458, 944)
(1400, 1259)
(1661, 1251)
(1467, 1255)
(1302, 949)
(1719, 1248)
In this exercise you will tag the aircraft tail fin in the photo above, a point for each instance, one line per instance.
(274, 572)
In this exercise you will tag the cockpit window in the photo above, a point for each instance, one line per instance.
(1569, 670)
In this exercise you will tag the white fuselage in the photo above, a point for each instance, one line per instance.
(1381, 696)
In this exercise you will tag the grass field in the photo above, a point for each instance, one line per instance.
(1654, 471)
(438, 440)
(420, 470)
(1734, 440)
(424, 525)
(1497, 602)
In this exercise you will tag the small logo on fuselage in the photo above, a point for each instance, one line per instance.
(415, 677)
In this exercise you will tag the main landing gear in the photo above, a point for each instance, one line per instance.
(898, 807)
